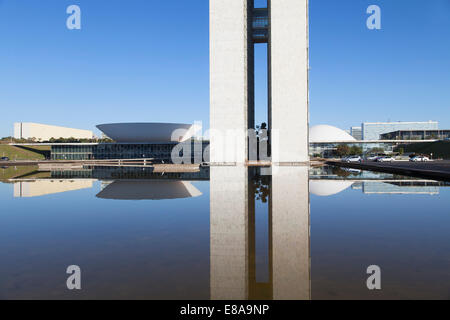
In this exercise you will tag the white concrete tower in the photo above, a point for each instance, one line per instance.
(231, 79)
(288, 47)
(235, 27)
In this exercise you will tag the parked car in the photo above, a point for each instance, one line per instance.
(351, 170)
(419, 159)
(385, 159)
(372, 157)
(4, 159)
(352, 159)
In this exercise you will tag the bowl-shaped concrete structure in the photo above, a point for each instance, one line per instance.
(148, 132)
(148, 190)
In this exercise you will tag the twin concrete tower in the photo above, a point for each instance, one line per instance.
(235, 27)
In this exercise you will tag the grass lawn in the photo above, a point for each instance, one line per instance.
(25, 153)
(14, 172)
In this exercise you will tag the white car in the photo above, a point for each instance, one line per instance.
(352, 159)
(372, 157)
(419, 159)
(385, 159)
(351, 170)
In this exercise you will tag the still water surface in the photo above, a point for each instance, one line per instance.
(226, 233)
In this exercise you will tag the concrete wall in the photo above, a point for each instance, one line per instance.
(42, 132)
(230, 78)
(289, 80)
(18, 130)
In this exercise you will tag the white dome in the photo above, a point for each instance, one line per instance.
(325, 188)
(325, 133)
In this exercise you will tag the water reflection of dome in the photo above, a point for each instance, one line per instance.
(325, 133)
(325, 188)
(148, 190)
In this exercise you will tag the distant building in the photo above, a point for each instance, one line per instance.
(356, 132)
(123, 189)
(136, 140)
(373, 130)
(417, 135)
(37, 188)
(325, 139)
(157, 141)
(401, 187)
(43, 132)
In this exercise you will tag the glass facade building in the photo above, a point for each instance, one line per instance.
(417, 135)
(104, 151)
(72, 151)
(356, 132)
(125, 173)
(373, 130)
(401, 187)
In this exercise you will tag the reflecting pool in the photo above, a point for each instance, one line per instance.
(223, 233)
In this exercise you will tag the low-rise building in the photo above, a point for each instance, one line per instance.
(44, 132)
(373, 130)
(417, 135)
(356, 132)
(138, 141)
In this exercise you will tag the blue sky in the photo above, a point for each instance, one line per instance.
(148, 60)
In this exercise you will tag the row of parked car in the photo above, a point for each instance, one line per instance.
(381, 158)
(356, 158)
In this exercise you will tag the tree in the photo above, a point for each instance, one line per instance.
(342, 150)
(356, 150)
(376, 150)
(317, 155)
(339, 172)
(261, 187)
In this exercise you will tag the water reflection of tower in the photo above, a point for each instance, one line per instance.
(233, 263)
